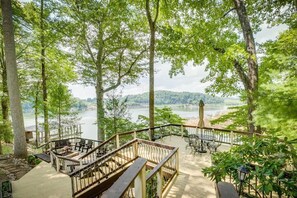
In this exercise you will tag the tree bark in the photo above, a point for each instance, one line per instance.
(20, 146)
(252, 87)
(4, 98)
(43, 74)
(36, 115)
(152, 25)
(99, 87)
(5, 104)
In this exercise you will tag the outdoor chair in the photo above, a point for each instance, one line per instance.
(101, 152)
(61, 143)
(87, 146)
(214, 145)
(80, 144)
(190, 140)
(196, 144)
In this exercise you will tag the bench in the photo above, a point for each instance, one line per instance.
(225, 190)
(61, 144)
(6, 190)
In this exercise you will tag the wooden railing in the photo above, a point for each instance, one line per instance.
(111, 163)
(100, 169)
(131, 183)
(114, 142)
(158, 180)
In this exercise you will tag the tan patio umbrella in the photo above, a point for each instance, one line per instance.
(201, 114)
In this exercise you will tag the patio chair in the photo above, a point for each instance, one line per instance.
(214, 145)
(80, 144)
(101, 152)
(87, 146)
(190, 140)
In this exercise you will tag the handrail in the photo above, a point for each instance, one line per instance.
(119, 188)
(99, 146)
(103, 157)
(113, 138)
(127, 153)
(157, 143)
(120, 134)
(157, 168)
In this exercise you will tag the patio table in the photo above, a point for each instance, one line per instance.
(203, 139)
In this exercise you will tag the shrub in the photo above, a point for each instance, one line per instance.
(274, 162)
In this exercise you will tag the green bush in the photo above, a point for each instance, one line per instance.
(32, 160)
(274, 162)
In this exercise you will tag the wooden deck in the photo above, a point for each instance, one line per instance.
(43, 181)
(190, 183)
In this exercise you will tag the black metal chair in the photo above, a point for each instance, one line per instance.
(80, 144)
(190, 140)
(214, 145)
(87, 146)
(101, 152)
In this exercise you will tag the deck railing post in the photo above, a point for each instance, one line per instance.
(58, 164)
(159, 183)
(135, 147)
(80, 167)
(52, 159)
(232, 137)
(182, 130)
(135, 135)
(177, 161)
(140, 184)
(118, 140)
(150, 134)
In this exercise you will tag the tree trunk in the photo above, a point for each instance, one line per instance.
(59, 119)
(99, 87)
(5, 98)
(100, 110)
(151, 82)
(20, 146)
(252, 75)
(43, 74)
(36, 121)
(152, 25)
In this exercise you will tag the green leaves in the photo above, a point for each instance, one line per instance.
(277, 105)
(267, 158)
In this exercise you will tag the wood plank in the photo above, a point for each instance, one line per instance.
(44, 157)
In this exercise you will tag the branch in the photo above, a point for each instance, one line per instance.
(119, 81)
(157, 11)
(242, 75)
(148, 13)
(228, 12)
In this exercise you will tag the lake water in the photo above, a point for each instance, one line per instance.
(88, 118)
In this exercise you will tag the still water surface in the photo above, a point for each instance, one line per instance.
(88, 118)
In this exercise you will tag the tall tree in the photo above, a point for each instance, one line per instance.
(108, 45)
(43, 73)
(249, 78)
(20, 146)
(47, 62)
(152, 13)
(209, 33)
(61, 102)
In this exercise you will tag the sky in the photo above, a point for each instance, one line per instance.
(190, 81)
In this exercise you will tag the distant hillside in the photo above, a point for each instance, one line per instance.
(170, 97)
